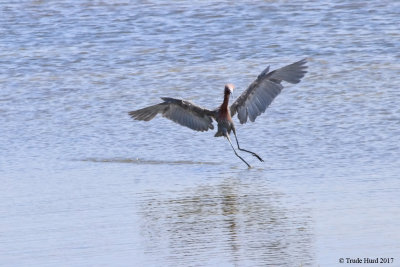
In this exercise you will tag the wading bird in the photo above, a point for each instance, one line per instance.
(250, 104)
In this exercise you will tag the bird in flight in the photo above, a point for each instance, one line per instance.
(250, 104)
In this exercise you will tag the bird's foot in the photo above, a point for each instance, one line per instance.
(257, 156)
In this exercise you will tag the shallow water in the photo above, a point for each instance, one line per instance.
(84, 185)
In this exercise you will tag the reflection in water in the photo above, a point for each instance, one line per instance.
(237, 222)
(150, 162)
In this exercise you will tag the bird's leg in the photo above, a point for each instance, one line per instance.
(227, 136)
(254, 154)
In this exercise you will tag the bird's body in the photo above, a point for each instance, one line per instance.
(250, 104)
(223, 114)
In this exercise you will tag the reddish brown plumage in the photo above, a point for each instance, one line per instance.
(223, 116)
(249, 105)
(224, 112)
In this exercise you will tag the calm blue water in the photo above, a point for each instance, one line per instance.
(84, 185)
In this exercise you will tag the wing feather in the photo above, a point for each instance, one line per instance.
(180, 111)
(260, 94)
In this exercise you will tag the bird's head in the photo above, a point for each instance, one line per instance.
(229, 88)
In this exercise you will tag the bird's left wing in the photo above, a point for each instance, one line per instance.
(260, 94)
(180, 111)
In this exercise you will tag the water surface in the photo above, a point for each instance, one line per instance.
(83, 184)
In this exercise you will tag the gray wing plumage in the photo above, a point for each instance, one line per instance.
(180, 111)
(260, 94)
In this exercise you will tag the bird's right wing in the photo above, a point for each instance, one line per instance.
(180, 111)
(260, 94)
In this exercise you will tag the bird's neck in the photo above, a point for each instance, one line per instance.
(224, 106)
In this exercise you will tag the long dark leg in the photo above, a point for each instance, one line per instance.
(254, 154)
(248, 165)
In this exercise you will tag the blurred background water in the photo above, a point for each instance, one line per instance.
(84, 185)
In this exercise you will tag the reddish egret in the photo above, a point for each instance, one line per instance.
(253, 101)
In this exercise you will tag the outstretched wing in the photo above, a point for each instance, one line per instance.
(259, 95)
(180, 111)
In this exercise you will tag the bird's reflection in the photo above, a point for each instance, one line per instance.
(236, 222)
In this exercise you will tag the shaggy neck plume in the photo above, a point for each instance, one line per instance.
(224, 106)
